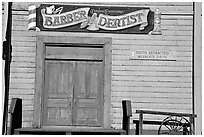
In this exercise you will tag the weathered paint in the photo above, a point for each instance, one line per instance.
(149, 84)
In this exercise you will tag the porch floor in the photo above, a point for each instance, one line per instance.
(69, 131)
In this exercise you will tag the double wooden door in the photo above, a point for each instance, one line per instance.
(73, 93)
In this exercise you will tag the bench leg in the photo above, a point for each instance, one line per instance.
(126, 124)
(137, 128)
(140, 123)
(192, 128)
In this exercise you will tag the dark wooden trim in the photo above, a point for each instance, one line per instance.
(42, 40)
(107, 81)
(140, 123)
(15, 111)
(7, 56)
(45, 96)
(96, 41)
(193, 62)
(39, 76)
(127, 113)
(165, 113)
(70, 131)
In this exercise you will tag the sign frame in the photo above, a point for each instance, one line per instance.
(129, 20)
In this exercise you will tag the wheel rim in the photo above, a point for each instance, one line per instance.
(173, 125)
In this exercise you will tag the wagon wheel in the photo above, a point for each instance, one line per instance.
(173, 125)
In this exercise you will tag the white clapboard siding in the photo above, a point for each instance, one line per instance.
(154, 85)
(176, 95)
(151, 85)
(22, 91)
(22, 65)
(151, 63)
(24, 97)
(133, 43)
(165, 7)
(151, 89)
(152, 79)
(22, 73)
(23, 59)
(125, 52)
(23, 81)
(125, 70)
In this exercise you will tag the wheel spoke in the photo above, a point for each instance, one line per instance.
(177, 125)
(181, 126)
(168, 127)
(181, 119)
(174, 124)
(169, 124)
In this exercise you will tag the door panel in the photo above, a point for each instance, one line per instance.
(73, 86)
(58, 93)
(86, 116)
(88, 93)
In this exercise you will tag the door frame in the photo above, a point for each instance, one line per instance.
(40, 66)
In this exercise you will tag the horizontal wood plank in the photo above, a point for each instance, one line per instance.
(22, 86)
(22, 91)
(152, 63)
(22, 65)
(165, 113)
(20, 80)
(151, 69)
(74, 53)
(23, 59)
(151, 79)
(140, 94)
(22, 75)
(165, 7)
(152, 89)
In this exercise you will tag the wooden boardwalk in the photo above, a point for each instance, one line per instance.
(70, 131)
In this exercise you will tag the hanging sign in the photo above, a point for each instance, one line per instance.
(76, 18)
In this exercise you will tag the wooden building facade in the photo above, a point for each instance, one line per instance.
(74, 78)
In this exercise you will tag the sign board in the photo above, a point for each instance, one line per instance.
(106, 19)
(162, 55)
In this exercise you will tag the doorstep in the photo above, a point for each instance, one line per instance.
(69, 131)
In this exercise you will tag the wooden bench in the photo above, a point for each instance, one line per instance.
(15, 111)
(139, 123)
(127, 113)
